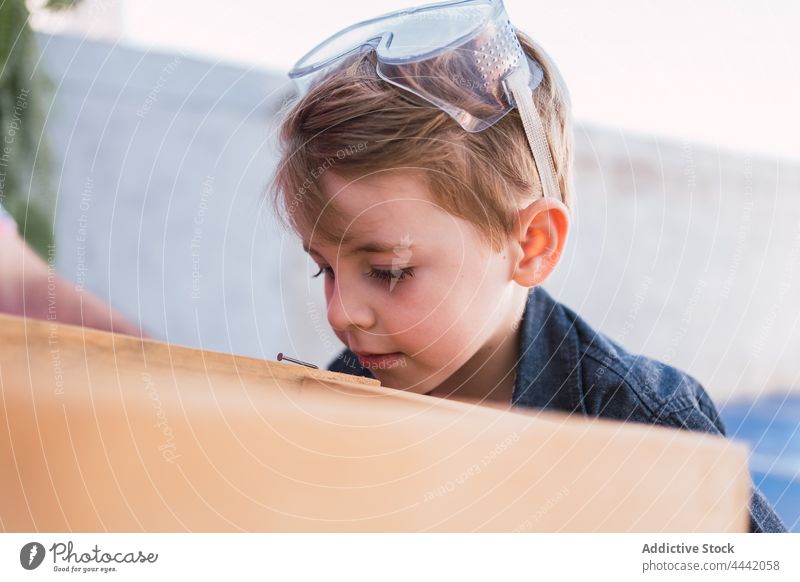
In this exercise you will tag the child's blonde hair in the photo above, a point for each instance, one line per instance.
(354, 123)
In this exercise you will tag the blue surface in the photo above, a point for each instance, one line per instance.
(771, 427)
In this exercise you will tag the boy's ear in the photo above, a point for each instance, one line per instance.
(541, 234)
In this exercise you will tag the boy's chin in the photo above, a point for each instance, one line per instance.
(399, 378)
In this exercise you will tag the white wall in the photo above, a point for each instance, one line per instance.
(161, 208)
(690, 255)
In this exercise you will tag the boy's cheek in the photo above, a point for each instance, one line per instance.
(328, 290)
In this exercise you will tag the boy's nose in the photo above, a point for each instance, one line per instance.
(346, 308)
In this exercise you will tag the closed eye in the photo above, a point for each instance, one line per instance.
(388, 275)
(327, 270)
(382, 274)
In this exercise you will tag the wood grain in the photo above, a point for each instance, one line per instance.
(105, 432)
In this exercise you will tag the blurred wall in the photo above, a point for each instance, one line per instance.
(160, 196)
(684, 253)
(689, 254)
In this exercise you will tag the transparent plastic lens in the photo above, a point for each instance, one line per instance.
(463, 57)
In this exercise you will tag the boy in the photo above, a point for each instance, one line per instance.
(432, 187)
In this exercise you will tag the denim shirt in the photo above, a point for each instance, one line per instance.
(566, 365)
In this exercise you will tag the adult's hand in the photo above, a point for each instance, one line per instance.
(32, 288)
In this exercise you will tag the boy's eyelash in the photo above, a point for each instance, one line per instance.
(322, 270)
(382, 274)
(388, 275)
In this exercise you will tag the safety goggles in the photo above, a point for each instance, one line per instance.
(461, 56)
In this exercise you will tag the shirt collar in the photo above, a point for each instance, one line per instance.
(548, 373)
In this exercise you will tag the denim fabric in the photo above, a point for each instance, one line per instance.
(566, 365)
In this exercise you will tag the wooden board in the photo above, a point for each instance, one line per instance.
(106, 432)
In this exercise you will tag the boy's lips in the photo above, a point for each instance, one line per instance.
(370, 354)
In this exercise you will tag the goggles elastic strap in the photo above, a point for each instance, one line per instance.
(517, 83)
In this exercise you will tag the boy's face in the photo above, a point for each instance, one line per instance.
(433, 295)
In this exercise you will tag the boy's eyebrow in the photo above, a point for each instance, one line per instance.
(368, 247)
